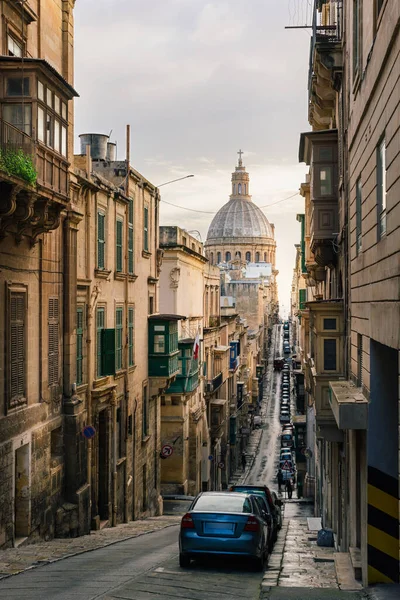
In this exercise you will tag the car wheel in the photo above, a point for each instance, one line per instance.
(184, 560)
(259, 563)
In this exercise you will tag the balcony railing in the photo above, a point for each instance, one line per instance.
(215, 383)
(21, 157)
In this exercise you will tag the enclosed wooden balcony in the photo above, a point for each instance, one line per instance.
(34, 162)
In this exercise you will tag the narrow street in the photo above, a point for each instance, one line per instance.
(146, 567)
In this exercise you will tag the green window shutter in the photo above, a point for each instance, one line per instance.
(302, 299)
(79, 345)
(130, 249)
(107, 352)
(100, 320)
(131, 354)
(53, 345)
(119, 246)
(118, 338)
(146, 229)
(17, 348)
(101, 242)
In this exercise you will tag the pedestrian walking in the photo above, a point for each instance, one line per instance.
(279, 477)
(289, 488)
(299, 485)
(243, 461)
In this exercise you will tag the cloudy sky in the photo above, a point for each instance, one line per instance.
(197, 80)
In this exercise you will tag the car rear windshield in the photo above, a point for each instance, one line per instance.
(286, 436)
(223, 503)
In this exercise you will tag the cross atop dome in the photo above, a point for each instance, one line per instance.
(240, 162)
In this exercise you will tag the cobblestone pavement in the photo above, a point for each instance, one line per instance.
(15, 560)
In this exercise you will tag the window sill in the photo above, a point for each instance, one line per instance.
(100, 381)
(120, 373)
(82, 387)
(119, 275)
(120, 461)
(131, 369)
(145, 439)
(102, 273)
(146, 254)
(132, 277)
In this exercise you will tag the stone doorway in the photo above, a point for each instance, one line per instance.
(22, 494)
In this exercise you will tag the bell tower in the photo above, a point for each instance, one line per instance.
(240, 182)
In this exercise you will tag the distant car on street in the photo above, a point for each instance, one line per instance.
(224, 523)
(176, 504)
(278, 364)
(264, 491)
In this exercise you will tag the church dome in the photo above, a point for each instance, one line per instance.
(239, 221)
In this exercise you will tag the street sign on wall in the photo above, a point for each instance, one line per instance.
(166, 451)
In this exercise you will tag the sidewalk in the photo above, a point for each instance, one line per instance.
(16, 560)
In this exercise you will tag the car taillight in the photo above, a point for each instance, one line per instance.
(187, 522)
(252, 524)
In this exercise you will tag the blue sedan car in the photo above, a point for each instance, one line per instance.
(224, 523)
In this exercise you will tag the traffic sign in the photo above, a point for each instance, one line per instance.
(88, 432)
(166, 451)
(286, 466)
(221, 465)
(211, 457)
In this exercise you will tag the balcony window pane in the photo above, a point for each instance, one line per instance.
(330, 355)
(63, 140)
(325, 178)
(325, 154)
(22, 119)
(16, 86)
(49, 97)
(40, 124)
(159, 344)
(49, 130)
(40, 91)
(330, 324)
(56, 135)
(64, 110)
(14, 48)
(57, 104)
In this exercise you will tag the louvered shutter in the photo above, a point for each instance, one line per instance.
(100, 240)
(119, 246)
(17, 349)
(146, 229)
(53, 348)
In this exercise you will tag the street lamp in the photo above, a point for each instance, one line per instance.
(173, 180)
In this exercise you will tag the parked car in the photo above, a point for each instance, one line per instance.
(278, 364)
(286, 326)
(286, 348)
(285, 367)
(287, 440)
(278, 508)
(224, 523)
(284, 418)
(257, 421)
(285, 385)
(286, 335)
(264, 491)
(176, 504)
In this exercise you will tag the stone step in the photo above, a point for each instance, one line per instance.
(355, 557)
(345, 572)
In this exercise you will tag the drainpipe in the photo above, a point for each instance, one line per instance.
(126, 357)
(114, 456)
(134, 461)
(89, 316)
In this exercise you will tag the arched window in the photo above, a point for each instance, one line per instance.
(239, 188)
(218, 257)
(257, 257)
(238, 255)
(245, 192)
(248, 256)
(265, 257)
(234, 189)
(212, 258)
(227, 256)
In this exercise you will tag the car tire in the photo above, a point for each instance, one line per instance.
(259, 563)
(184, 560)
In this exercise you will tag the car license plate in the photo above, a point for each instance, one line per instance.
(218, 527)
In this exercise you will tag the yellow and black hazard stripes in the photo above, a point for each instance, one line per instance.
(383, 527)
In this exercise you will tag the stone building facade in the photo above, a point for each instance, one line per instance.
(37, 224)
(117, 274)
(350, 323)
(183, 410)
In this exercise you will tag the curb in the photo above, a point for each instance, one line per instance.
(78, 552)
